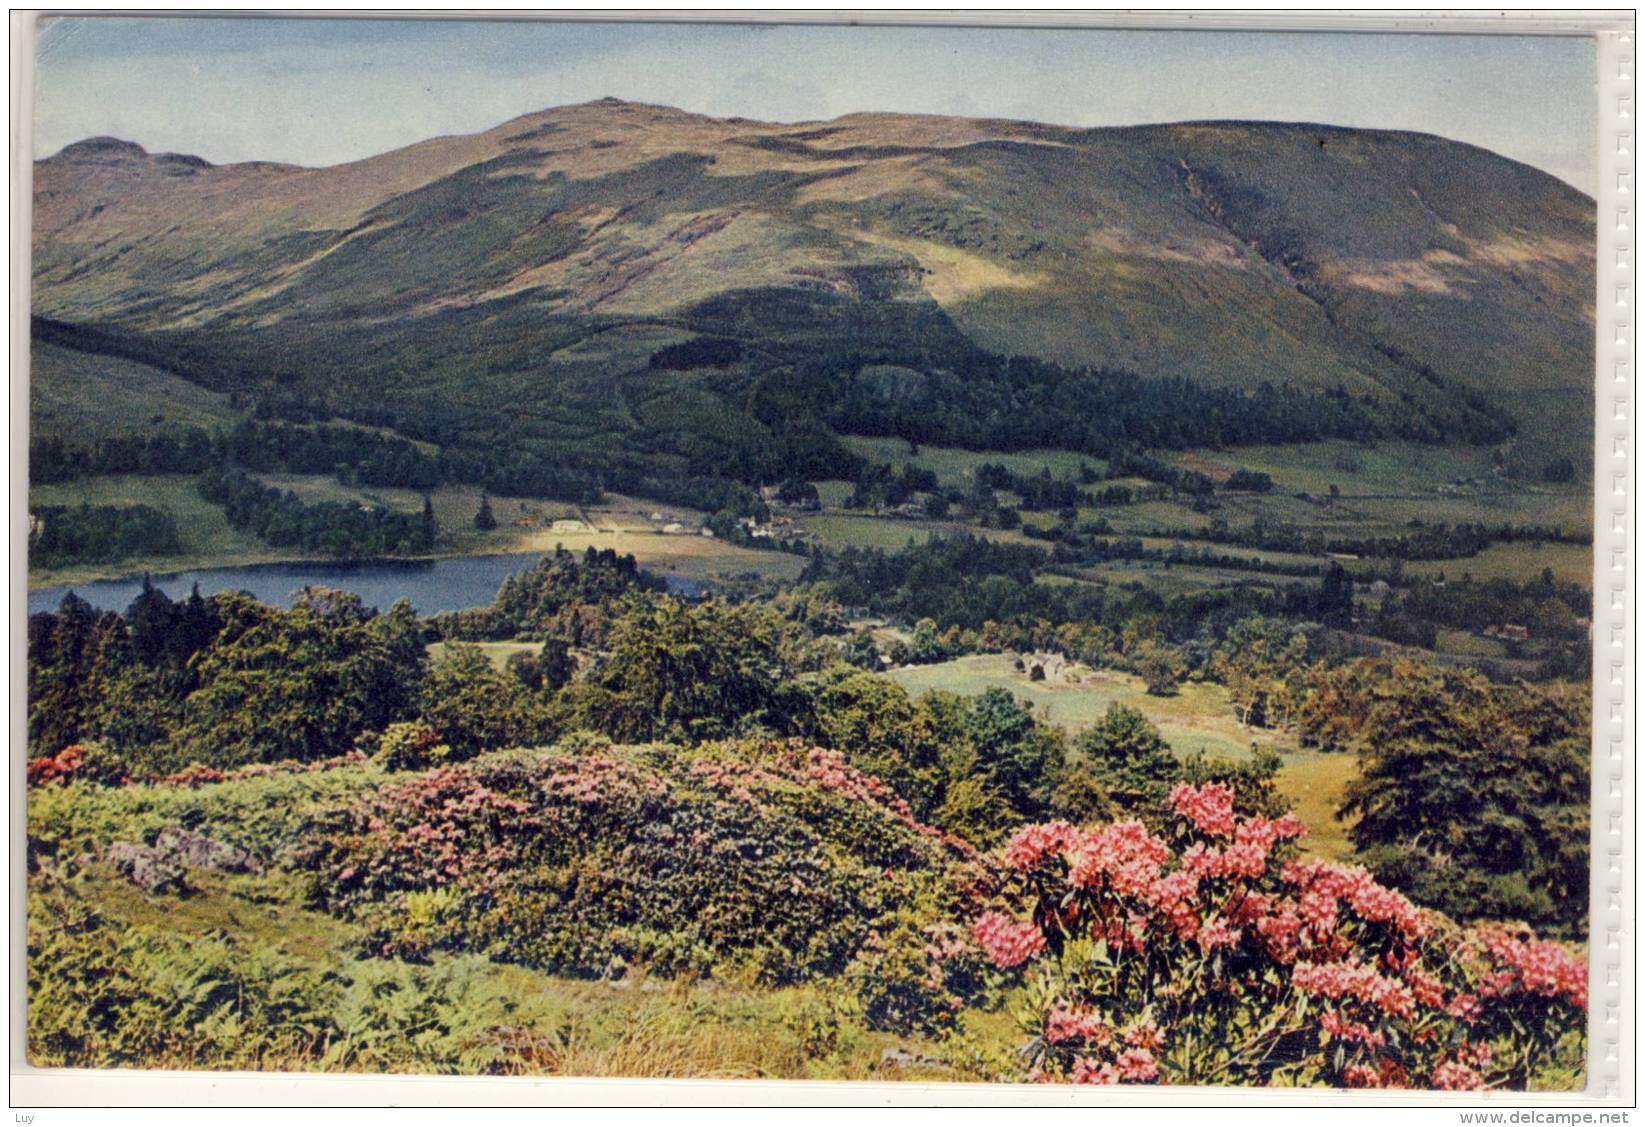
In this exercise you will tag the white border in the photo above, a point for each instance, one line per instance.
(1612, 1033)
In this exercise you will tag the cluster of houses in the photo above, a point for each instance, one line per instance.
(777, 528)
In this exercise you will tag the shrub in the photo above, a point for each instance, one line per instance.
(89, 763)
(774, 856)
(410, 747)
(1214, 955)
(916, 976)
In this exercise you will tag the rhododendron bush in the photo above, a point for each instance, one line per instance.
(1216, 954)
(774, 855)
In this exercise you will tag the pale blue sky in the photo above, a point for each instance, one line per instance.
(324, 91)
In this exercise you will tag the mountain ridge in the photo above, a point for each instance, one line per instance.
(1399, 266)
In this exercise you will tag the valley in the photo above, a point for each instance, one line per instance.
(694, 597)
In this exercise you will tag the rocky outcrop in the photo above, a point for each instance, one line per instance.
(163, 866)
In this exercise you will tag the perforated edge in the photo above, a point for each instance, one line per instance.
(1612, 958)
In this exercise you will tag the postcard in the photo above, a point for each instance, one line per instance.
(951, 555)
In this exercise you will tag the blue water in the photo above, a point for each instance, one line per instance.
(432, 586)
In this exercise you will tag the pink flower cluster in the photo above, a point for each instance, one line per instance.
(1210, 807)
(1031, 846)
(1133, 1066)
(736, 779)
(1063, 1025)
(1323, 889)
(793, 762)
(1453, 1076)
(594, 780)
(1005, 941)
(1336, 1025)
(1341, 980)
(1527, 965)
(1124, 856)
(1302, 949)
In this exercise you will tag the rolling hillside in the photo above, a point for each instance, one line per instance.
(517, 287)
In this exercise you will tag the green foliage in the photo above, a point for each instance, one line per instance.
(1475, 795)
(410, 747)
(267, 813)
(676, 671)
(974, 810)
(918, 972)
(1253, 779)
(299, 684)
(564, 596)
(473, 706)
(330, 528)
(100, 534)
(1161, 668)
(102, 995)
(1128, 758)
(1020, 758)
(882, 732)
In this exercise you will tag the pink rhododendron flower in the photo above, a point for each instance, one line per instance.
(1533, 966)
(1361, 1076)
(1063, 1025)
(1454, 1077)
(1006, 941)
(1033, 844)
(1354, 980)
(1144, 1034)
(1137, 1066)
(1210, 807)
(1089, 1071)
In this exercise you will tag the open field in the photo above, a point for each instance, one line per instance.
(497, 653)
(1316, 783)
(860, 530)
(1572, 510)
(955, 467)
(1570, 563)
(1175, 579)
(1389, 467)
(1197, 718)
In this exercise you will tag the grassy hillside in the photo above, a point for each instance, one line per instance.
(79, 397)
(274, 982)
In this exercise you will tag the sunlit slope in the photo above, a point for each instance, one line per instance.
(1387, 264)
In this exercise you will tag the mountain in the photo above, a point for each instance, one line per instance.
(537, 287)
